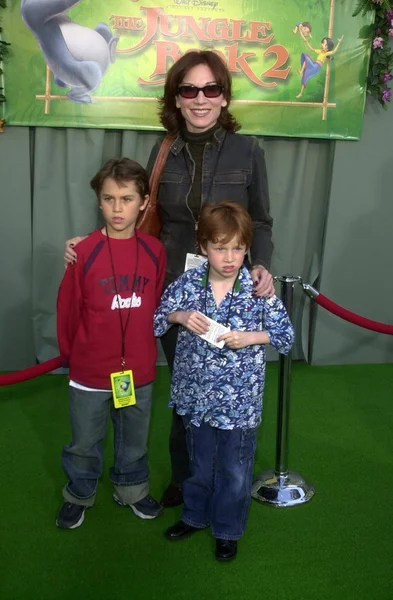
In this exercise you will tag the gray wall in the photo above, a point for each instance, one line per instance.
(331, 202)
(357, 266)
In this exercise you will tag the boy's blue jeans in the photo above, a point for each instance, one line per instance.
(83, 459)
(218, 492)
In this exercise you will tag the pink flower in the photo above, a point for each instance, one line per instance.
(377, 43)
(386, 95)
(391, 32)
(386, 77)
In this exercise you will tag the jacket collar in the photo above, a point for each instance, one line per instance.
(243, 282)
(217, 140)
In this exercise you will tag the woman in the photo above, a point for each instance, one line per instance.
(207, 163)
(310, 68)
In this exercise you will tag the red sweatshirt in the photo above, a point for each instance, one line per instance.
(88, 324)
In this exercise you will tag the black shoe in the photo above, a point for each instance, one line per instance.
(180, 531)
(70, 516)
(226, 550)
(172, 496)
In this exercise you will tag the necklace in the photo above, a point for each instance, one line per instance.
(191, 173)
(123, 328)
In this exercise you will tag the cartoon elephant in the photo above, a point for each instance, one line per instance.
(77, 56)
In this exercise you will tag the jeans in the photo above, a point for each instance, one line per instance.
(218, 492)
(82, 459)
(180, 468)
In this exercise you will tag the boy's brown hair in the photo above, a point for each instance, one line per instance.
(122, 170)
(222, 222)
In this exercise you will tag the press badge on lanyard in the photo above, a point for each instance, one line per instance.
(123, 390)
(122, 382)
(194, 260)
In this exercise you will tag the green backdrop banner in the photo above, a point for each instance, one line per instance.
(90, 63)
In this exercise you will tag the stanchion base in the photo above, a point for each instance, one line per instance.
(279, 490)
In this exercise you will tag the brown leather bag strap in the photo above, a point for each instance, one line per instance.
(158, 168)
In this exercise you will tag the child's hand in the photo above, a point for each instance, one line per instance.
(236, 339)
(70, 254)
(191, 320)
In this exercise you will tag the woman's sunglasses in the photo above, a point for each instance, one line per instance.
(212, 90)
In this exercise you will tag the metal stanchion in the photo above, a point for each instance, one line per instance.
(281, 487)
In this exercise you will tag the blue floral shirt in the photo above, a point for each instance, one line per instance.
(222, 387)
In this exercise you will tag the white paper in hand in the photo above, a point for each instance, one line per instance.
(215, 330)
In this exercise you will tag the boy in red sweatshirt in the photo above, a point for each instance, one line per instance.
(105, 309)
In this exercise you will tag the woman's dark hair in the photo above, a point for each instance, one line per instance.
(170, 116)
(329, 43)
(122, 170)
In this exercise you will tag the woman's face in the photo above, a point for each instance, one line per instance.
(200, 113)
(324, 45)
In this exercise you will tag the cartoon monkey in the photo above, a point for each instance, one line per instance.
(77, 56)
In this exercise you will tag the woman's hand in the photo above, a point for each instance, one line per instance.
(70, 254)
(263, 281)
(191, 320)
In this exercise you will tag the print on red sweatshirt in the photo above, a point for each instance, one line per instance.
(88, 324)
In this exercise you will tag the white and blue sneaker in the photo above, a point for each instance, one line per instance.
(147, 508)
(70, 516)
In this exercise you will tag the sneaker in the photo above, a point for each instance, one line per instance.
(71, 516)
(147, 508)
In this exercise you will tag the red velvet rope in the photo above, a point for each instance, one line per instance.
(343, 313)
(31, 372)
(352, 317)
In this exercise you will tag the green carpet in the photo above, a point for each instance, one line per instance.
(339, 545)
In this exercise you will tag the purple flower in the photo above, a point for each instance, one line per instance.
(377, 43)
(386, 77)
(386, 95)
